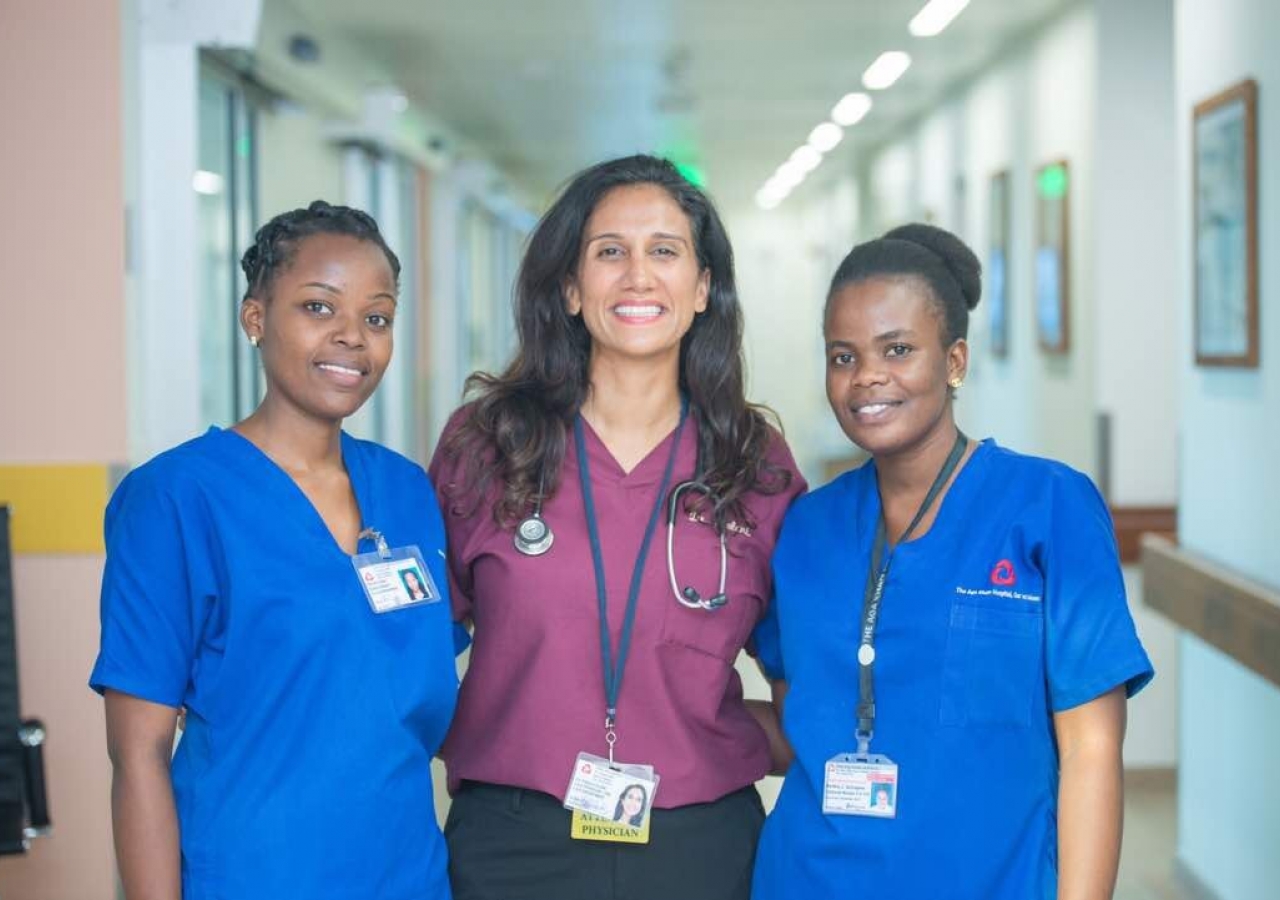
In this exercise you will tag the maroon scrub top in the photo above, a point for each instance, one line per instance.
(533, 694)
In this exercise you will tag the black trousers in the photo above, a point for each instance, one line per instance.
(513, 844)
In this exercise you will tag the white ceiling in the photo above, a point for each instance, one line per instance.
(543, 87)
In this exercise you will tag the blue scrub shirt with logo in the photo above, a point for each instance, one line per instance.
(1010, 608)
(304, 769)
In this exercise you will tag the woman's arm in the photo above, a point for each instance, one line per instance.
(140, 744)
(1090, 796)
(769, 716)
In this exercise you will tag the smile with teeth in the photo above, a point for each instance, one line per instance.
(638, 311)
(873, 409)
(340, 370)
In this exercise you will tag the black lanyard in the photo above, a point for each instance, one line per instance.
(613, 669)
(873, 594)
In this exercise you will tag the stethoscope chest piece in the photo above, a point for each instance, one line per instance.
(534, 536)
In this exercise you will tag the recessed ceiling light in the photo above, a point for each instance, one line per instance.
(769, 196)
(825, 136)
(806, 157)
(887, 69)
(851, 108)
(789, 175)
(935, 16)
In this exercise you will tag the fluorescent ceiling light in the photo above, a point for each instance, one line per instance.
(851, 108)
(935, 16)
(206, 182)
(825, 136)
(887, 69)
(806, 157)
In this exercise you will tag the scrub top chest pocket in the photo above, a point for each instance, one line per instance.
(993, 667)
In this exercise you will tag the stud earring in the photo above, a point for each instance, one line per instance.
(254, 339)
(956, 383)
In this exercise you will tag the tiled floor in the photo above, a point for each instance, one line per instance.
(1150, 840)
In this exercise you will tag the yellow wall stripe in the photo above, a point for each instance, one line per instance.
(56, 508)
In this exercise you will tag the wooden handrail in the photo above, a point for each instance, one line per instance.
(1239, 616)
(1132, 522)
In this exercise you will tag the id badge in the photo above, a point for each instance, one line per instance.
(396, 581)
(610, 801)
(856, 784)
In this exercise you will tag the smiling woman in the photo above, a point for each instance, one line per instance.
(628, 380)
(992, 635)
(315, 680)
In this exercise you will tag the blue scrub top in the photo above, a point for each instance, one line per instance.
(304, 769)
(1009, 609)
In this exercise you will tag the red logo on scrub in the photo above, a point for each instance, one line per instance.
(1003, 574)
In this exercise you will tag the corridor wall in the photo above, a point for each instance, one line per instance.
(63, 402)
(1091, 86)
(1229, 785)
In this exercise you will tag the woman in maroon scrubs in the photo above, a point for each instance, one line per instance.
(611, 502)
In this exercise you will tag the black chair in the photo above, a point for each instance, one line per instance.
(24, 805)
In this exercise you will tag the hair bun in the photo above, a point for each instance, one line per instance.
(955, 255)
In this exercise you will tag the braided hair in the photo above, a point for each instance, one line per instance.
(276, 243)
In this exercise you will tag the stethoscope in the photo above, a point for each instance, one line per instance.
(534, 537)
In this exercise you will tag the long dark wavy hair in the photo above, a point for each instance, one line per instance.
(513, 427)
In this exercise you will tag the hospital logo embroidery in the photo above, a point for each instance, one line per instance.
(1003, 574)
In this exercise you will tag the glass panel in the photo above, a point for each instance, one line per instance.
(247, 374)
(227, 210)
(217, 288)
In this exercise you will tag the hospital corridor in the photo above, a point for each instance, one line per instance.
(433, 611)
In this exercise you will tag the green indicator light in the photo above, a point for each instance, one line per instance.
(693, 174)
(1052, 181)
(243, 146)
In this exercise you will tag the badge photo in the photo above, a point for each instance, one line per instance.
(610, 801)
(395, 580)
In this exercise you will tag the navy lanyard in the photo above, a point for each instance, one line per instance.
(613, 669)
(873, 594)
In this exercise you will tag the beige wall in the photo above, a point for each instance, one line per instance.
(64, 392)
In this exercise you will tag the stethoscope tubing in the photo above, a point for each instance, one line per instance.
(534, 537)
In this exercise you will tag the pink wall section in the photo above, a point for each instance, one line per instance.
(63, 393)
(57, 613)
(62, 252)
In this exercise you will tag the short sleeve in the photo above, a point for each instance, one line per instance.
(152, 606)
(1092, 645)
(766, 642)
(446, 473)
(766, 639)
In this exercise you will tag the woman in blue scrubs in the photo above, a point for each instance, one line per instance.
(950, 630)
(255, 586)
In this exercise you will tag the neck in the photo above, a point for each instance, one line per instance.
(911, 471)
(634, 398)
(297, 442)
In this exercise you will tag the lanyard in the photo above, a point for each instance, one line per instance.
(613, 669)
(873, 594)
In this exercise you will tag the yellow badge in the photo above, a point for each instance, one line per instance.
(587, 827)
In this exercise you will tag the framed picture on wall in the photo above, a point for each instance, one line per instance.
(998, 218)
(1225, 175)
(1053, 256)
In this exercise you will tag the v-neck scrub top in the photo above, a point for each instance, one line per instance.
(304, 768)
(533, 694)
(1009, 609)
